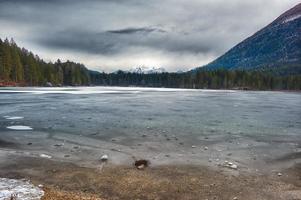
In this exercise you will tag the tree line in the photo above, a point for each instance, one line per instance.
(217, 79)
(22, 67)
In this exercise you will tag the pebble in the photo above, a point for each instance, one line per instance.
(141, 167)
(230, 165)
(45, 156)
(104, 158)
(206, 148)
(193, 146)
(279, 174)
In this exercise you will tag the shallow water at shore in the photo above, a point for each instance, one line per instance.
(257, 131)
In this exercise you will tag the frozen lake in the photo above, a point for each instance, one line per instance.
(252, 129)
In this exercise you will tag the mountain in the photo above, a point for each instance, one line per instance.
(147, 70)
(275, 47)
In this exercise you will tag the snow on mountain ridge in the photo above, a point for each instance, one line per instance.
(292, 18)
(147, 70)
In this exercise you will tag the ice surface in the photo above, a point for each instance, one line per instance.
(155, 123)
(20, 189)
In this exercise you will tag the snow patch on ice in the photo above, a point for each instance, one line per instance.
(20, 189)
(13, 118)
(101, 90)
(20, 128)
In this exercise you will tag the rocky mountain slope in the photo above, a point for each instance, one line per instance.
(277, 47)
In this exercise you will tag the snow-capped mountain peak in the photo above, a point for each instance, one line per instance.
(147, 70)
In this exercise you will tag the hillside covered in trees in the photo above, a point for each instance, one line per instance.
(19, 67)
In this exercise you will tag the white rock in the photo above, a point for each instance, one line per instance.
(193, 146)
(279, 174)
(45, 156)
(206, 148)
(233, 166)
(104, 158)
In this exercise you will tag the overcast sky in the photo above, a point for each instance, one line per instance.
(121, 34)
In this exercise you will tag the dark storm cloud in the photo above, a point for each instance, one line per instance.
(194, 31)
(135, 30)
(117, 41)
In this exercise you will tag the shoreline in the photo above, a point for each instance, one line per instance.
(150, 87)
(70, 181)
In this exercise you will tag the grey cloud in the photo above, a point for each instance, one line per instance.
(136, 30)
(117, 41)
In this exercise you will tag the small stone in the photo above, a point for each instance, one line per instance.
(141, 167)
(29, 143)
(279, 174)
(233, 166)
(206, 148)
(45, 156)
(193, 146)
(235, 198)
(40, 186)
(141, 164)
(104, 158)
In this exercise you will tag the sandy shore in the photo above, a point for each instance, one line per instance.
(62, 180)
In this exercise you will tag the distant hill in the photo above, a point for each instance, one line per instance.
(277, 47)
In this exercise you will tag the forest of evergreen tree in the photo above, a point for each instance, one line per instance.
(26, 69)
(23, 68)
